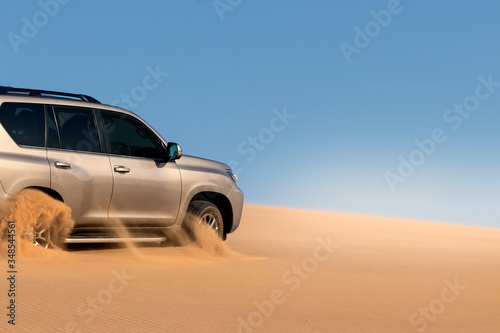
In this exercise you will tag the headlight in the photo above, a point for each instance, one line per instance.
(232, 175)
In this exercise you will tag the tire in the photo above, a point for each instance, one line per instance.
(203, 212)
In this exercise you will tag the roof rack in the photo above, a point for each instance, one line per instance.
(34, 92)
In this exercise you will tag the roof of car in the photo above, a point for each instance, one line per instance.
(4, 90)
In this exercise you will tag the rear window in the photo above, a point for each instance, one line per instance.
(24, 122)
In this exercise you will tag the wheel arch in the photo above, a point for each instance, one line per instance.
(50, 192)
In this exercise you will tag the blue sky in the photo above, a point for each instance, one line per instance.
(315, 104)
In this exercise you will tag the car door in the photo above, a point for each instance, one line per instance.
(146, 190)
(79, 170)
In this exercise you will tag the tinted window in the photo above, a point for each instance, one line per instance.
(130, 137)
(24, 122)
(77, 129)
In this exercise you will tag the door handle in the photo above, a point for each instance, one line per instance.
(62, 165)
(121, 169)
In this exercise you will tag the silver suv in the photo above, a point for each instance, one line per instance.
(107, 164)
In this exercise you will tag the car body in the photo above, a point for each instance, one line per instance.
(108, 165)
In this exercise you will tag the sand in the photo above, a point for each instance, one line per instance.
(283, 270)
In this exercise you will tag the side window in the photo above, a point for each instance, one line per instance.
(77, 129)
(130, 137)
(24, 122)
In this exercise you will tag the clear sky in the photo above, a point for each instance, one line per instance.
(387, 108)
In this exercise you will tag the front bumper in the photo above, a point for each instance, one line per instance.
(236, 199)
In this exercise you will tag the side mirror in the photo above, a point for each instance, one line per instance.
(174, 151)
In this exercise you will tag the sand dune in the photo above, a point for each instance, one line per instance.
(283, 270)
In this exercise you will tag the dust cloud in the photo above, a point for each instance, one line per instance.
(33, 208)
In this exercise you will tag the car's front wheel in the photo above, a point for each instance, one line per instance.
(44, 236)
(201, 213)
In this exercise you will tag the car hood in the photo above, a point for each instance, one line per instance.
(187, 162)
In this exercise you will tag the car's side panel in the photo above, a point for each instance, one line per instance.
(26, 167)
(148, 194)
(85, 186)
